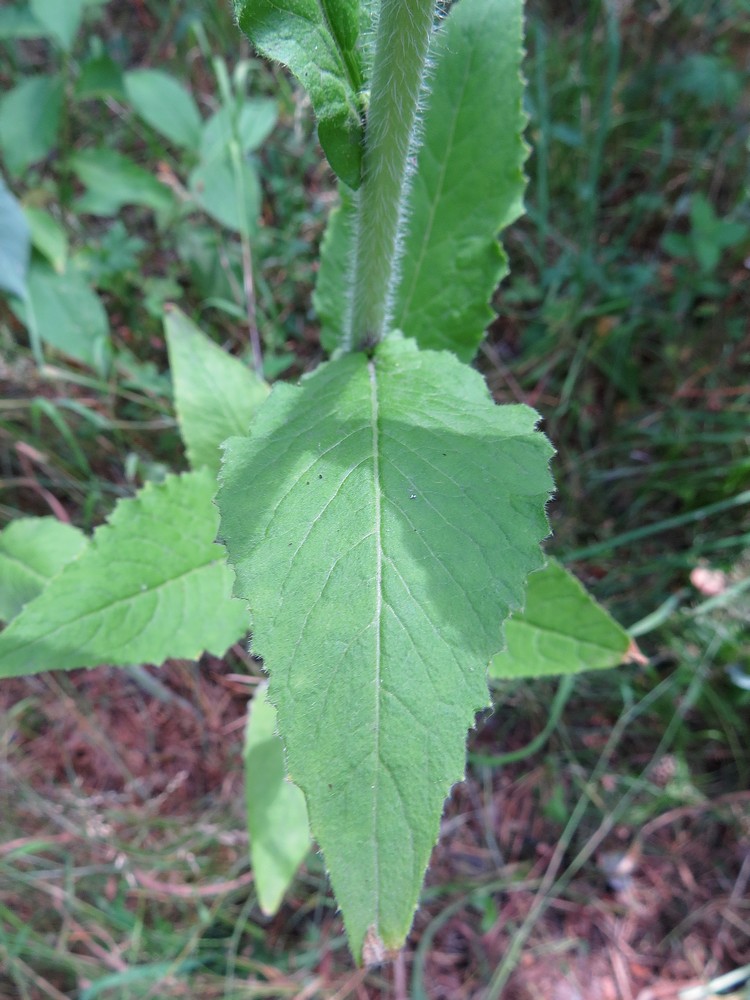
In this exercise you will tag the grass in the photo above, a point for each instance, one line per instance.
(123, 870)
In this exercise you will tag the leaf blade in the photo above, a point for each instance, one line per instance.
(452, 261)
(32, 551)
(354, 568)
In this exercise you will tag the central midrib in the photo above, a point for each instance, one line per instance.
(374, 418)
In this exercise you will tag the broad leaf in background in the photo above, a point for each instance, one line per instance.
(216, 395)
(336, 254)
(29, 121)
(17, 21)
(14, 244)
(32, 551)
(48, 237)
(469, 183)
(382, 519)
(250, 122)
(229, 193)
(66, 313)
(151, 584)
(561, 630)
(276, 811)
(113, 181)
(317, 41)
(61, 20)
(165, 105)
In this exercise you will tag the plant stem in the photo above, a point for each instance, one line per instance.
(403, 37)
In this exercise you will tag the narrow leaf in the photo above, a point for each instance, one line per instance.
(276, 811)
(29, 120)
(382, 519)
(152, 584)
(32, 551)
(14, 244)
(166, 105)
(216, 395)
(469, 182)
(561, 630)
(336, 251)
(48, 237)
(316, 39)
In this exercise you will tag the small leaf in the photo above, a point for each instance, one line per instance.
(17, 21)
(251, 122)
(164, 104)
(32, 551)
(316, 39)
(14, 244)
(469, 182)
(382, 519)
(48, 237)
(151, 584)
(561, 630)
(61, 21)
(216, 395)
(100, 77)
(66, 313)
(336, 253)
(29, 121)
(230, 196)
(113, 181)
(276, 810)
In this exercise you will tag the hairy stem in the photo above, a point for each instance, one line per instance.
(403, 37)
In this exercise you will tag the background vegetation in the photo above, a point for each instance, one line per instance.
(612, 858)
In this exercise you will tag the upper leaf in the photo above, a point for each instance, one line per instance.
(216, 394)
(276, 811)
(382, 520)
(60, 20)
(166, 105)
(29, 121)
(317, 39)
(152, 584)
(32, 551)
(561, 630)
(469, 183)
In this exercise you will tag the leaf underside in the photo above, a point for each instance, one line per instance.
(151, 584)
(561, 630)
(382, 519)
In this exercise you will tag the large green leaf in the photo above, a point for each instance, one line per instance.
(113, 181)
(66, 313)
(32, 551)
(166, 105)
(469, 182)
(317, 40)
(14, 244)
(382, 520)
(29, 120)
(152, 584)
(216, 395)
(276, 811)
(61, 20)
(561, 630)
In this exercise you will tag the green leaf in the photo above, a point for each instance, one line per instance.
(61, 21)
(29, 120)
(113, 181)
(316, 39)
(276, 810)
(562, 630)
(17, 21)
(100, 76)
(32, 551)
(164, 104)
(250, 122)
(469, 182)
(336, 253)
(48, 237)
(152, 584)
(66, 313)
(230, 195)
(14, 244)
(382, 519)
(216, 395)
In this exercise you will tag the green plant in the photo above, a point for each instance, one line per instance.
(383, 516)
